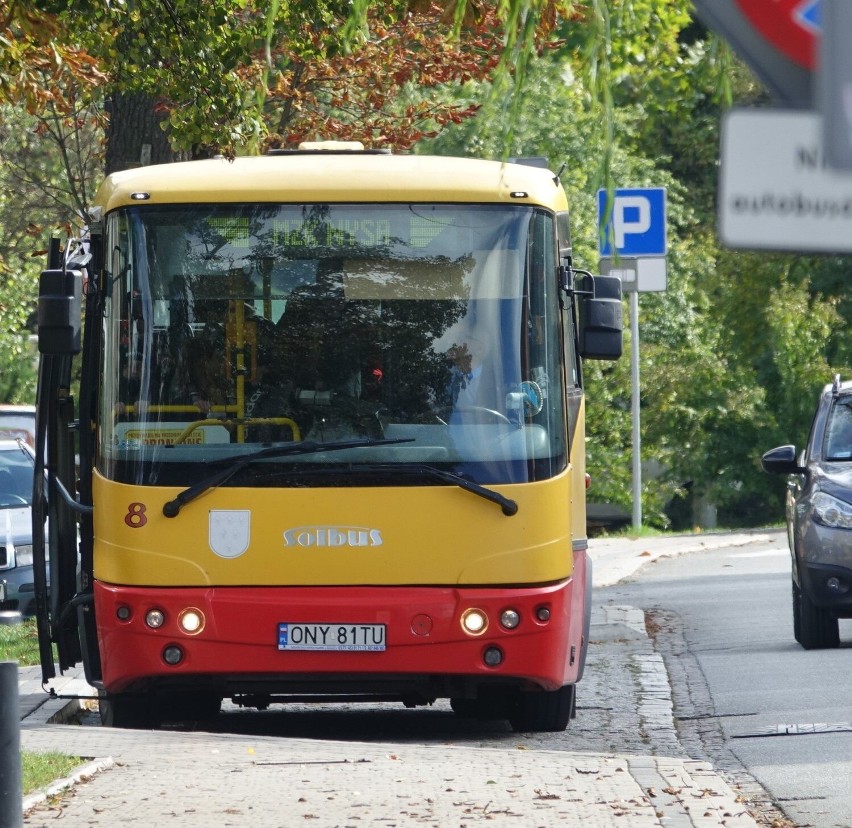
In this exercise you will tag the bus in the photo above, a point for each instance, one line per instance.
(314, 429)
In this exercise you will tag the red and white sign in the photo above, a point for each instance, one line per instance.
(789, 25)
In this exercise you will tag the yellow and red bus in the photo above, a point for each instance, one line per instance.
(329, 440)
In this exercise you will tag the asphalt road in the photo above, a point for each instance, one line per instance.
(746, 695)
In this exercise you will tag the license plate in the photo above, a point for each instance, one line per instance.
(347, 637)
(2, 590)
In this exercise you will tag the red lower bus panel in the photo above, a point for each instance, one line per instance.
(423, 633)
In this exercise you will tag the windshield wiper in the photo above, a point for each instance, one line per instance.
(172, 507)
(509, 507)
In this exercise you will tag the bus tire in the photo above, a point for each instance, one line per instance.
(188, 707)
(487, 706)
(543, 710)
(819, 630)
(125, 711)
(465, 708)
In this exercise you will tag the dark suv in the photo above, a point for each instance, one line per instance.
(819, 518)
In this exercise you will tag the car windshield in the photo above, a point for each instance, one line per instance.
(16, 476)
(838, 432)
(429, 330)
(17, 424)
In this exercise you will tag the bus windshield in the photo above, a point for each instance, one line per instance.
(230, 327)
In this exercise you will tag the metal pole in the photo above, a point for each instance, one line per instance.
(11, 815)
(634, 408)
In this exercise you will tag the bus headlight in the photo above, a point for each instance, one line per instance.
(474, 621)
(191, 621)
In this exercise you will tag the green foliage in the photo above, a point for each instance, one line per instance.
(17, 350)
(18, 369)
(214, 69)
(733, 354)
(44, 184)
(19, 642)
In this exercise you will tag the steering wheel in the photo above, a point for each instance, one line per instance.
(9, 499)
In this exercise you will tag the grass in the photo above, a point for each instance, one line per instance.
(19, 642)
(38, 770)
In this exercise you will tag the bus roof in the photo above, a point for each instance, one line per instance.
(326, 177)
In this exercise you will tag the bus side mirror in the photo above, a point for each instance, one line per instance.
(59, 304)
(600, 317)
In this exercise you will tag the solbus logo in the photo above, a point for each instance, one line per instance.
(332, 536)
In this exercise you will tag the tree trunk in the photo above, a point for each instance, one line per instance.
(134, 135)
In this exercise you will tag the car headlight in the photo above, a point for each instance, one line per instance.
(830, 511)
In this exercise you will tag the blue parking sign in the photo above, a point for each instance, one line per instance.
(636, 224)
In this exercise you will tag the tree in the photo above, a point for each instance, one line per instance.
(164, 82)
(17, 351)
(43, 184)
(221, 80)
(724, 370)
(732, 353)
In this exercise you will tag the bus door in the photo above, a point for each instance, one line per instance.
(59, 571)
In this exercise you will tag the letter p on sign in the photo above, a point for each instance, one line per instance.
(632, 222)
(630, 215)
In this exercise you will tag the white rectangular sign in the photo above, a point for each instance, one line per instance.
(775, 192)
(645, 275)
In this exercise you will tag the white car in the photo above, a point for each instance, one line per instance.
(17, 592)
(17, 422)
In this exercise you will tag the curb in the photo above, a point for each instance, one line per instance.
(83, 774)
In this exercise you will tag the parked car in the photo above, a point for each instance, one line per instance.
(17, 593)
(819, 518)
(18, 422)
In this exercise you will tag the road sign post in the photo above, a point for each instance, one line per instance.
(632, 236)
(835, 83)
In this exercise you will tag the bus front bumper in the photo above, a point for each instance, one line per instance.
(280, 640)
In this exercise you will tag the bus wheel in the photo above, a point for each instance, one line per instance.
(487, 706)
(119, 710)
(465, 708)
(188, 707)
(543, 711)
(819, 631)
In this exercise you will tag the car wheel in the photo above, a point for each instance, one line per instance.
(543, 711)
(797, 613)
(817, 629)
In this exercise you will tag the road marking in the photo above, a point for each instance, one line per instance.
(763, 553)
